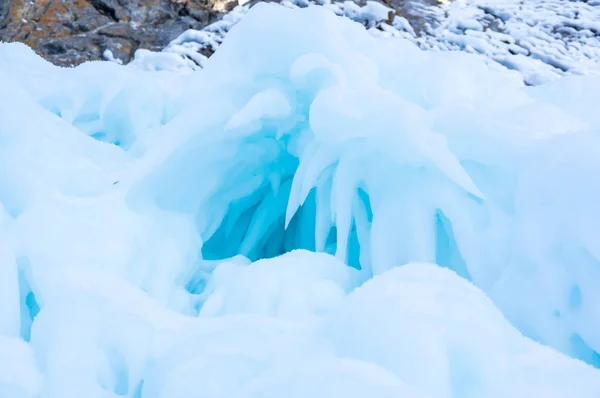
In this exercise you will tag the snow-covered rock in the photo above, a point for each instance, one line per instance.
(542, 39)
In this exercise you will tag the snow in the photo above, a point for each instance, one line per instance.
(558, 36)
(157, 228)
(542, 39)
(306, 284)
(109, 56)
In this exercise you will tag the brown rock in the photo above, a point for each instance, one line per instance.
(69, 32)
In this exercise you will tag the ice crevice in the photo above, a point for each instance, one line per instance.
(344, 216)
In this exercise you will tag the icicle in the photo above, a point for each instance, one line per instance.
(437, 152)
(322, 159)
(266, 214)
(304, 232)
(323, 210)
(294, 201)
(343, 189)
(363, 231)
(239, 207)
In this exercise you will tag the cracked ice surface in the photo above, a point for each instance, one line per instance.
(157, 229)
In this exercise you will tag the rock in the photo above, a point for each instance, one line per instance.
(69, 32)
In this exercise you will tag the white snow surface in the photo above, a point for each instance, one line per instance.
(158, 228)
(542, 39)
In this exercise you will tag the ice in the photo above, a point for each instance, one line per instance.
(330, 378)
(447, 333)
(302, 284)
(266, 104)
(157, 228)
(10, 317)
(19, 377)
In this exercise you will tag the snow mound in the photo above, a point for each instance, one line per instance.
(156, 228)
(305, 283)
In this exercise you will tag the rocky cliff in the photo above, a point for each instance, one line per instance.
(70, 32)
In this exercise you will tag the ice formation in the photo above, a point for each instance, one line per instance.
(157, 229)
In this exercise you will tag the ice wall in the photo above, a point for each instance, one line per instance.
(135, 202)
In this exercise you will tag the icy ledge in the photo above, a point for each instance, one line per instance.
(150, 220)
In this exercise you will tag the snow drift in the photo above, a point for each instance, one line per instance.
(151, 221)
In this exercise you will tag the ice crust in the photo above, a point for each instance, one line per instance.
(157, 228)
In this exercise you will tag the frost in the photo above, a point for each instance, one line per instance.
(157, 228)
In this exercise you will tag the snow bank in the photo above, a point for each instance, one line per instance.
(155, 227)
